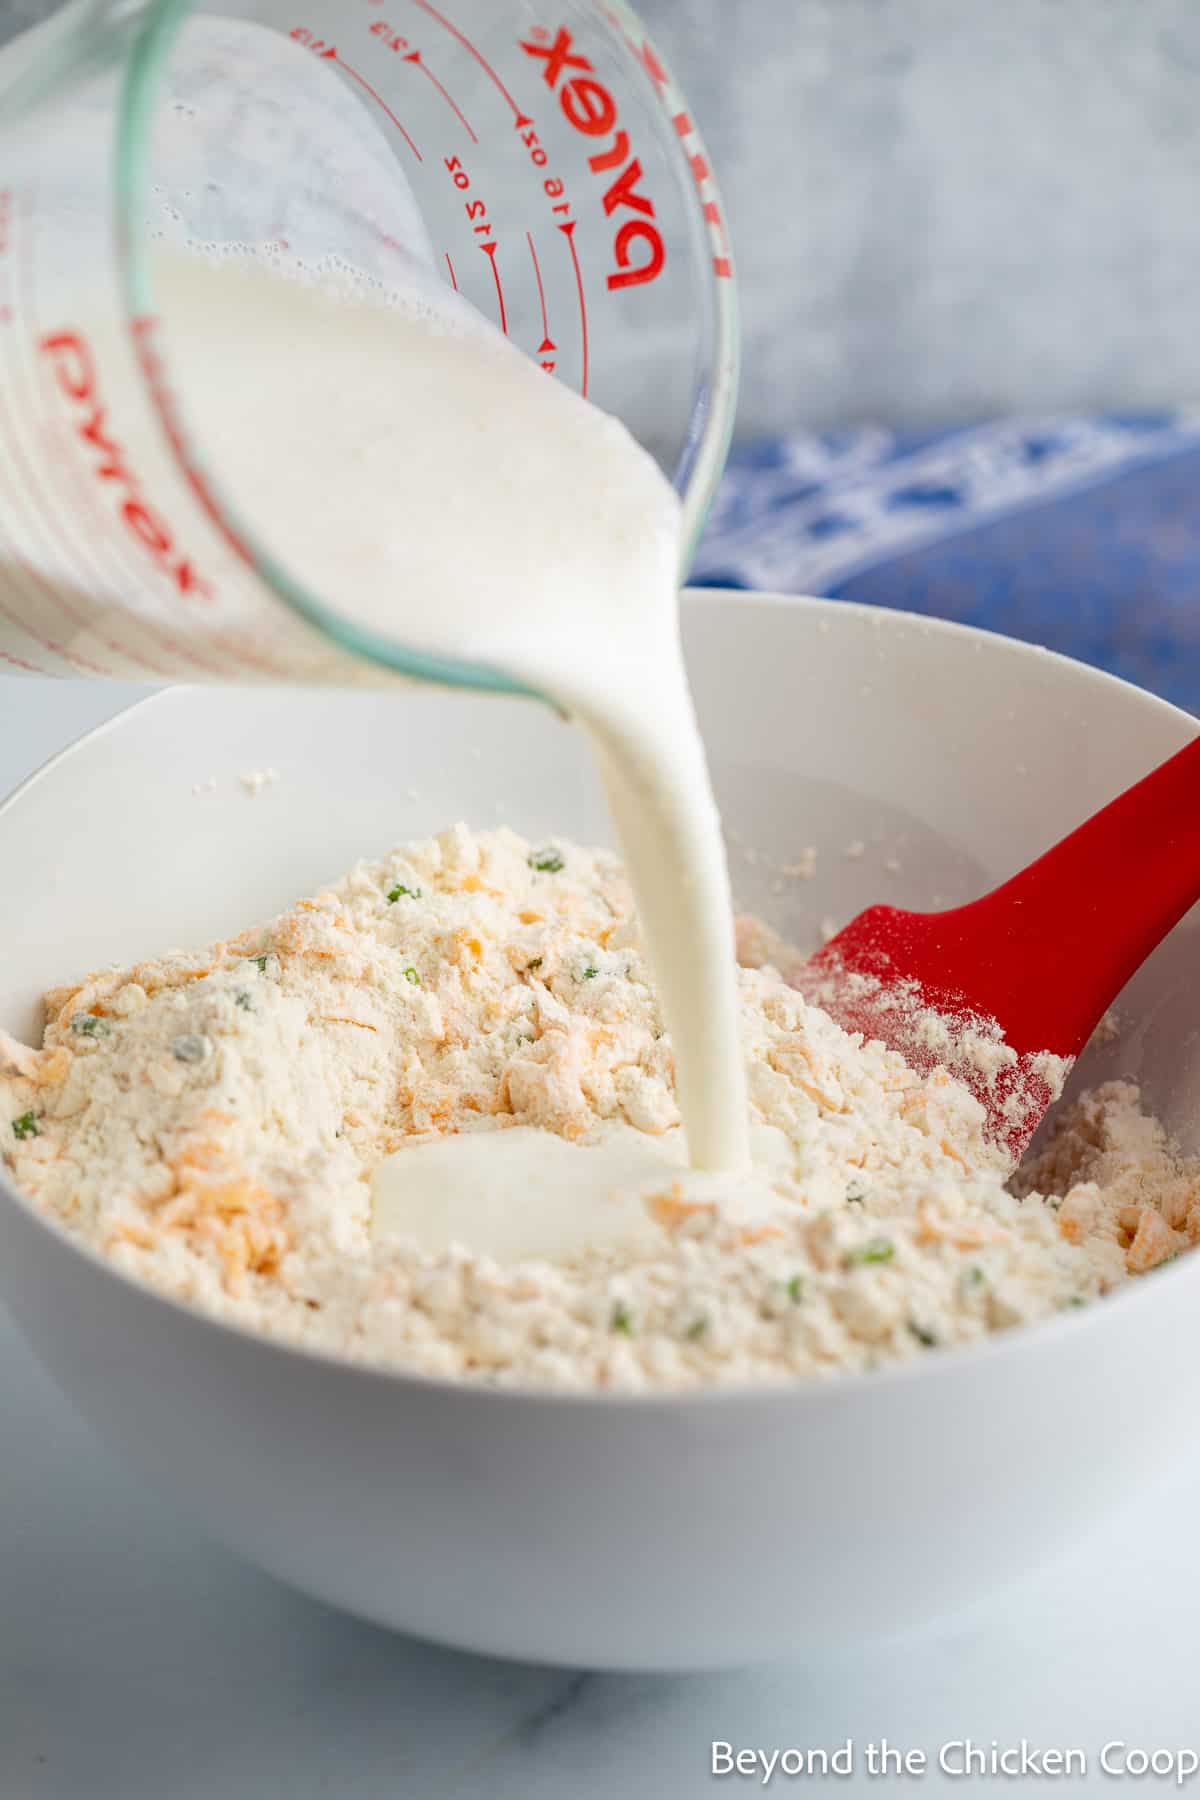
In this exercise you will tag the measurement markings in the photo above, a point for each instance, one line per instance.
(547, 344)
(447, 25)
(568, 231)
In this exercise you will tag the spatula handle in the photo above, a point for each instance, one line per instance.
(1075, 925)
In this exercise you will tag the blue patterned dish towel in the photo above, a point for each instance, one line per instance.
(1082, 534)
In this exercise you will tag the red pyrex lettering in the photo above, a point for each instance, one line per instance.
(75, 375)
(588, 106)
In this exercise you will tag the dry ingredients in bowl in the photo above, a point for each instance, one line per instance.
(211, 1122)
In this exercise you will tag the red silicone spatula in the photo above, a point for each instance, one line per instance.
(1043, 956)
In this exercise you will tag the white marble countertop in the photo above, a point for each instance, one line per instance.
(139, 1663)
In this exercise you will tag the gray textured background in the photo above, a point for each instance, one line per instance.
(948, 207)
(944, 208)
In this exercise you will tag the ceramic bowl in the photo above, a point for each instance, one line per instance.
(669, 1532)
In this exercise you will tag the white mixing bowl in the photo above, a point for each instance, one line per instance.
(627, 1533)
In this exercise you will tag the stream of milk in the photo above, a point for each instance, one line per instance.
(429, 482)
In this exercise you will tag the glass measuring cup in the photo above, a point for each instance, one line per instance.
(537, 160)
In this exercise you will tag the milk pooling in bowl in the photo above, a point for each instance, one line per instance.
(433, 486)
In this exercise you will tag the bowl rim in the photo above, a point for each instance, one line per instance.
(802, 1392)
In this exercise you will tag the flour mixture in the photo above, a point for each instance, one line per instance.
(212, 1124)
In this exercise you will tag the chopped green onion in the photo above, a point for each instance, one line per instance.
(89, 1025)
(696, 1329)
(411, 975)
(795, 1288)
(976, 1277)
(242, 999)
(622, 1319)
(262, 964)
(26, 1126)
(879, 1250)
(1077, 1300)
(546, 862)
(399, 891)
(928, 1338)
(589, 974)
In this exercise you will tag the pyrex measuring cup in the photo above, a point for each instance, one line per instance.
(534, 157)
